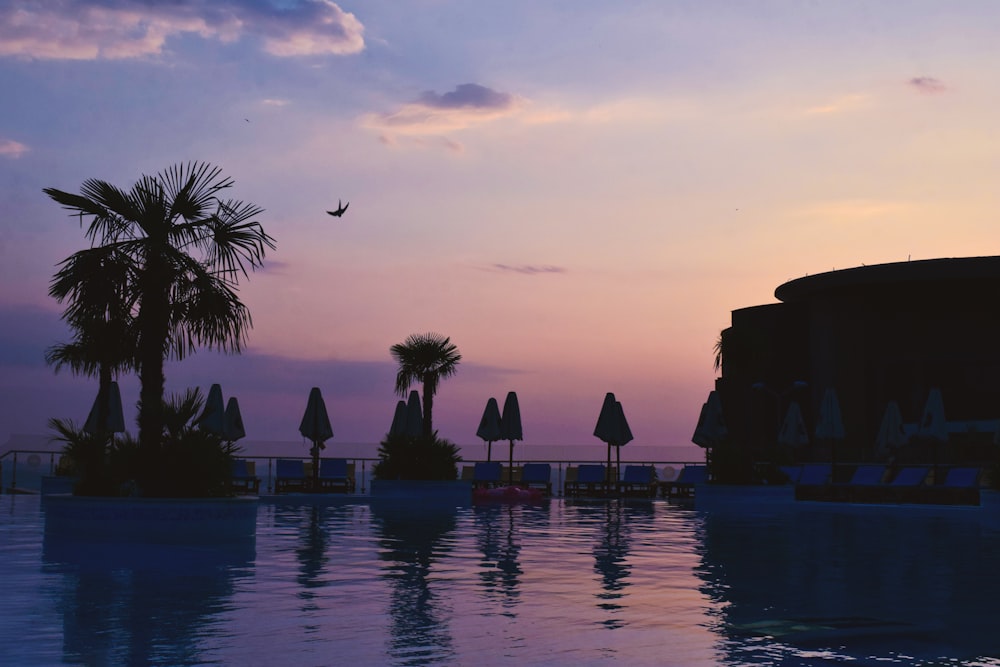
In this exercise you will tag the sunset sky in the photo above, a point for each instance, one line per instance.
(577, 193)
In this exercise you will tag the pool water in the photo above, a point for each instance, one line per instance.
(562, 583)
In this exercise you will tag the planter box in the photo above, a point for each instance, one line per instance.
(421, 493)
(151, 520)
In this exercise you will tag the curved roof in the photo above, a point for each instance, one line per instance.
(958, 274)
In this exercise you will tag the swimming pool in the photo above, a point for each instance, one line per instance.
(563, 583)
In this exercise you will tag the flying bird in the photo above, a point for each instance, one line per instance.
(341, 209)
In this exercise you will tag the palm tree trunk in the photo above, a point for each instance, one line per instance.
(429, 386)
(153, 322)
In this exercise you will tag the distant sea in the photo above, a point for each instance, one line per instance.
(595, 451)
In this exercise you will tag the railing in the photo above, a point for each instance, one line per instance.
(21, 470)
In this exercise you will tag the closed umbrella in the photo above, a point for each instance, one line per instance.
(489, 426)
(398, 426)
(316, 427)
(106, 413)
(711, 429)
(233, 429)
(830, 426)
(793, 430)
(510, 428)
(890, 431)
(933, 428)
(612, 427)
(213, 416)
(414, 416)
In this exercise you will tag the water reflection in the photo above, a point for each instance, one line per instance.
(852, 584)
(411, 543)
(140, 603)
(496, 537)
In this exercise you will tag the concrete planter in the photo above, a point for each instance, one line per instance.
(453, 493)
(154, 520)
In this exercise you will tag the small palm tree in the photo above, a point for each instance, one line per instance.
(100, 313)
(183, 249)
(426, 358)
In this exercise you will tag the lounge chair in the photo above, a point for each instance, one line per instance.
(590, 480)
(815, 474)
(792, 473)
(334, 476)
(538, 476)
(866, 485)
(243, 479)
(487, 474)
(638, 480)
(961, 486)
(289, 475)
(908, 485)
(684, 485)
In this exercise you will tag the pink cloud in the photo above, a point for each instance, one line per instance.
(12, 149)
(79, 30)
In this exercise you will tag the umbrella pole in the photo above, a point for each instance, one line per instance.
(618, 466)
(489, 449)
(607, 474)
(510, 466)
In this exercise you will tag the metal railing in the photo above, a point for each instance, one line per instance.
(21, 470)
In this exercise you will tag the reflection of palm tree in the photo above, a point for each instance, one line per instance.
(428, 359)
(140, 603)
(411, 544)
(185, 249)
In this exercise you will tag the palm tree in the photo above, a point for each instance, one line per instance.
(95, 281)
(183, 249)
(427, 358)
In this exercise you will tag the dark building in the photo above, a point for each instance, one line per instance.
(875, 334)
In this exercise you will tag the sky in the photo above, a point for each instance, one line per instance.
(577, 193)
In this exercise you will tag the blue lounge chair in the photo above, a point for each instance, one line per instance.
(792, 473)
(868, 475)
(684, 485)
(910, 476)
(815, 474)
(638, 480)
(243, 479)
(962, 478)
(334, 475)
(590, 480)
(537, 475)
(487, 474)
(289, 475)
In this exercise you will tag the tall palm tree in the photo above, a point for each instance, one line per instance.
(184, 249)
(426, 358)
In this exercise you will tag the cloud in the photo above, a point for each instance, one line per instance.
(841, 104)
(116, 30)
(12, 149)
(927, 85)
(436, 115)
(529, 269)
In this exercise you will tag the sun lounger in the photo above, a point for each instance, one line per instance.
(537, 476)
(868, 475)
(590, 480)
(289, 475)
(638, 480)
(961, 486)
(244, 479)
(684, 485)
(334, 476)
(487, 474)
(792, 473)
(815, 474)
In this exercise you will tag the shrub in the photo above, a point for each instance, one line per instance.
(426, 458)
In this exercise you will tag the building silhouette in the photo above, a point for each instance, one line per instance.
(874, 334)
